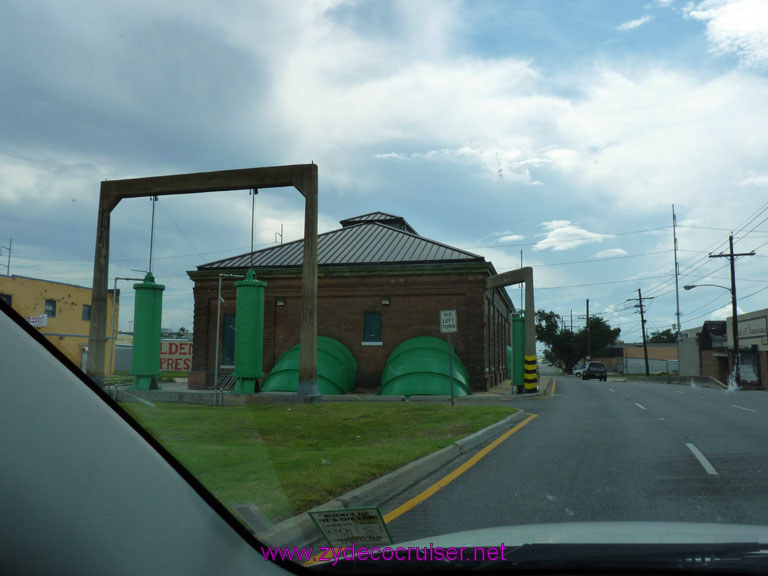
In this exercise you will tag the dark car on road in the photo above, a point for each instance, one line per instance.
(595, 370)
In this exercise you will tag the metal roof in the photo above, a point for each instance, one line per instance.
(367, 243)
(383, 217)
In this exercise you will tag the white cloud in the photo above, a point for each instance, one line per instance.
(562, 235)
(642, 140)
(737, 27)
(754, 178)
(611, 253)
(492, 162)
(725, 312)
(632, 24)
(511, 238)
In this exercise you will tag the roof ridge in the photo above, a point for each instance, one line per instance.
(240, 260)
(420, 237)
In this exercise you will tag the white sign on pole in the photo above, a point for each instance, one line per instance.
(448, 324)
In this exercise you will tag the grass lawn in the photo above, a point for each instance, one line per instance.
(286, 459)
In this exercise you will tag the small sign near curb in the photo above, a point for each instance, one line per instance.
(342, 528)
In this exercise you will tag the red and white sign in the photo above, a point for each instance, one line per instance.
(176, 356)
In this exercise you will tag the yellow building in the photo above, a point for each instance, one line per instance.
(61, 312)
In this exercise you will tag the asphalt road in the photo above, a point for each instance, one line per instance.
(610, 451)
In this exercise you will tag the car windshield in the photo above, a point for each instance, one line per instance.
(410, 275)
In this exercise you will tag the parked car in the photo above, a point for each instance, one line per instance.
(577, 371)
(595, 370)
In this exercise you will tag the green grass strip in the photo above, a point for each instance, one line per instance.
(288, 458)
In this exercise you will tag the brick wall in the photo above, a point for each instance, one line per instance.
(655, 351)
(714, 366)
(413, 310)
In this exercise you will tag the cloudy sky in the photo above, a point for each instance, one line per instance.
(565, 130)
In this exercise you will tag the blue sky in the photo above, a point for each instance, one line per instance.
(563, 129)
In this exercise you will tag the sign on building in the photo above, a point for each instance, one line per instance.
(175, 356)
(448, 323)
(37, 321)
(753, 327)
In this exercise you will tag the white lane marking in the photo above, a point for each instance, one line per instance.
(742, 408)
(640, 406)
(611, 389)
(679, 391)
(702, 460)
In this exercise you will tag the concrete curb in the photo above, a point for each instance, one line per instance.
(208, 397)
(301, 530)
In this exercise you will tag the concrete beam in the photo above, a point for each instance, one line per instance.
(303, 177)
(519, 276)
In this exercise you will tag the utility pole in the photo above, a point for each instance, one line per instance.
(677, 273)
(642, 325)
(571, 320)
(589, 344)
(521, 286)
(8, 267)
(736, 353)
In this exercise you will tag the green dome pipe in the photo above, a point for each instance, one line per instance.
(336, 369)
(419, 366)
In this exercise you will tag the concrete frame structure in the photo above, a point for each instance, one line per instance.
(519, 276)
(303, 177)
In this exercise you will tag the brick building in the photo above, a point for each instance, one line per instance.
(379, 284)
(753, 348)
(60, 311)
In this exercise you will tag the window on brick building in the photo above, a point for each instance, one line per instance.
(86, 312)
(372, 328)
(50, 308)
(228, 337)
(7, 298)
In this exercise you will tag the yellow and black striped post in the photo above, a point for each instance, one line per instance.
(530, 377)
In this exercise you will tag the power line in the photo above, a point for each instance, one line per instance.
(597, 283)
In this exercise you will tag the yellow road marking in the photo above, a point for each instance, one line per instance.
(447, 479)
(554, 383)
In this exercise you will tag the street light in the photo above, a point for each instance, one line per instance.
(692, 286)
(735, 328)
(112, 329)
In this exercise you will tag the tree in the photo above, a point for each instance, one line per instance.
(547, 326)
(601, 335)
(664, 336)
(566, 347)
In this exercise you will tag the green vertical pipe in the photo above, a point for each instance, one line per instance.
(518, 350)
(249, 333)
(147, 321)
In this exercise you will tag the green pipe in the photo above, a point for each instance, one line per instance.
(147, 322)
(249, 333)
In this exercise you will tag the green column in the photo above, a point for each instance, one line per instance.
(518, 351)
(147, 319)
(249, 333)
